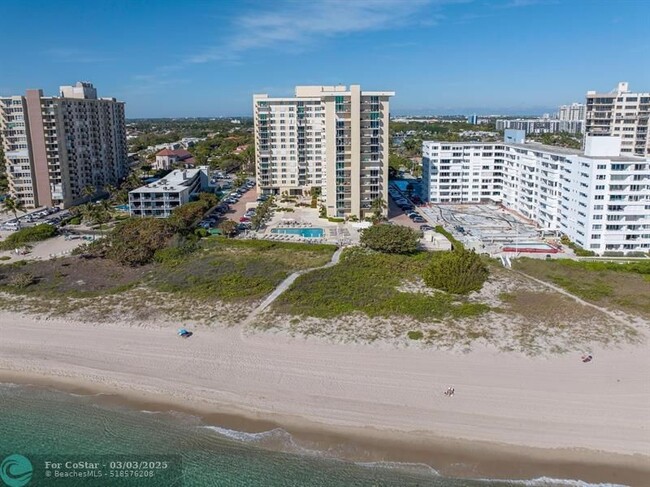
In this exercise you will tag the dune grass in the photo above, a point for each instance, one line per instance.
(369, 282)
(618, 286)
(237, 270)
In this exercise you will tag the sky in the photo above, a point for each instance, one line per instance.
(200, 58)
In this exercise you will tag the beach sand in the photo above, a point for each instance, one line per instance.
(512, 416)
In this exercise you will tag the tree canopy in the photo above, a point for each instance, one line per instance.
(391, 239)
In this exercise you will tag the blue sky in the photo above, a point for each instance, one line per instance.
(206, 58)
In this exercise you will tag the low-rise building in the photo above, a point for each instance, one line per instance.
(599, 198)
(166, 158)
(161, 197)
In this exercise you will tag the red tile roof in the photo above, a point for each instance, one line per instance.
(181, 154)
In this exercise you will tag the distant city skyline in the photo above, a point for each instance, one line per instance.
(203, 59)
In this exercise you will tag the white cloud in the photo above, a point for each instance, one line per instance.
(296, 26)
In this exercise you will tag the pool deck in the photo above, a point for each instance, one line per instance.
(333, 233)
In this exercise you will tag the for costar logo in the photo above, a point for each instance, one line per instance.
(16, 470)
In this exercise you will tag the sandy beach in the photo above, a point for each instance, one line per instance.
(511, 415)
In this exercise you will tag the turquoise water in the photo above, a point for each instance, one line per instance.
(45, 425)
(122, 207)
(303, 232)
(403, 183)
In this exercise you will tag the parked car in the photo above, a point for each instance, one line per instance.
(244, 219)
(418, 219)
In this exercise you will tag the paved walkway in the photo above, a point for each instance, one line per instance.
(284, 285)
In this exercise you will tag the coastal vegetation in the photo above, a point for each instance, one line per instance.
(579, 251)
(618, 286)
(187, 270)
(456, 272)
(369, 282)
(237, 270)
(28, 235)
(391, 239)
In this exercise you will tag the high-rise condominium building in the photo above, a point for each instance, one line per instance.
(571, 113)
(599, 198)
(621, 113)
(57, 146)
(326, 137)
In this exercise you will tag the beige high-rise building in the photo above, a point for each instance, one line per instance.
(326, 137)
(621, 113)
(57, 146)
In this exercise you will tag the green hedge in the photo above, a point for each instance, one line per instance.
(28, 235)
(579, 251)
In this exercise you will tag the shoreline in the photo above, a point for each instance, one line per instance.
(395, 431)
(449, 457)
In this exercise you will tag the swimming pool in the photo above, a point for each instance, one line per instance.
(122, 207)
(303, 232)
(403, 183)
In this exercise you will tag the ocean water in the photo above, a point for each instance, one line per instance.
(176, 449)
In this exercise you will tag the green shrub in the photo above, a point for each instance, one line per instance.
(75, 221)
(335, 219)
(27, 235)
(175, 254)
(22, 280)
(415, 335)
(135, 241)
(579, 251)
(457, 272)
(391, 239)
(185, 217)
(5, 257)
(455, 244)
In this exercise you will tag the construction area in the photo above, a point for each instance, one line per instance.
(493, 230)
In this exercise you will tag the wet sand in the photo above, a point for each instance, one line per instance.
(363, 402)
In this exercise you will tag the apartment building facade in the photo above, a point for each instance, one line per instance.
(160, 198)
(599, 198)
(57, 146)
(326, 137)
(573, 112)
(541, 125)
(621, 113)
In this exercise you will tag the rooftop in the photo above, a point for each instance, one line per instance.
(538, 146)
(175, 181)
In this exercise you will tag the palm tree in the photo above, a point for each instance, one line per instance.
(378, 206)
(13, 205)
(110, 190)
(88, 191)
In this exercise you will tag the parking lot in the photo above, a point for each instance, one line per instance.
(232, 205)
(53, 216)
(399, 215)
